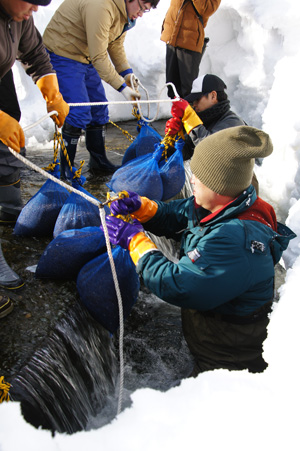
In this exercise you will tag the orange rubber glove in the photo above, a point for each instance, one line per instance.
(182, 109)
(138, 207)
(147, 210)
(48, 86)
(190, 119)
(11, 133)
(140, 245)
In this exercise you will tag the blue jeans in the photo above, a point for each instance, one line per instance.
(80, 83)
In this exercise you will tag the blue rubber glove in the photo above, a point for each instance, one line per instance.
(121, 232)
(127, 205)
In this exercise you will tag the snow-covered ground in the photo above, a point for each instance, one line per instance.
(254, 48)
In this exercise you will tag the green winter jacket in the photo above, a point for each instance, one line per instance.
(91, 31)
(226, 260)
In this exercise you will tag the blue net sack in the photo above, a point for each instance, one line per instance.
(143, 143)
(141, 175)
(69, 252)
(172, 172)
(38, 216)
(97, 292)
(77, 212)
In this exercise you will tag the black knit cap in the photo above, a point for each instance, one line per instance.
(39, 2)
(203, 85)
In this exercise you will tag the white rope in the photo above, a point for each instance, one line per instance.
(25, 129)
(120, 102)
(137, 101)
(110, 256)
(121, 322)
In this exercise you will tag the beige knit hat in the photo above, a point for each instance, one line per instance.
(224, 161)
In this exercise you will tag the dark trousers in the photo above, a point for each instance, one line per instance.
(8, 96)
(182, 68)
(216, 342)
(10, 195)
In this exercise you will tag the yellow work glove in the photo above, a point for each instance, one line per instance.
(11, 133)
(139, 245)
(190, 119)
(48, 86)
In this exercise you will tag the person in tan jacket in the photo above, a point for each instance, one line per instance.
(85, 39)
(183, 32)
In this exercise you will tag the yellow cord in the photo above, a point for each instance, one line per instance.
(125, 133)
(4, 389)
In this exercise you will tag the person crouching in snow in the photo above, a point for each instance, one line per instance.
(230, 242)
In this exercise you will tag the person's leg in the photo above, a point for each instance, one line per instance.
(188, 68)
(10, 193)
(172, 71)
(72, 84)
(8, 278)
(95, 131)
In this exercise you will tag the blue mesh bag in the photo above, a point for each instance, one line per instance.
(69, 252)
(97, 292)
(38, 216)
(143, 143)
(172, 172)
(77, 212)
(141, 175)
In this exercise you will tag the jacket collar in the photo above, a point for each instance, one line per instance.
(247, 206)
(233, 208)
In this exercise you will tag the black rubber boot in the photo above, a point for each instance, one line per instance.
(71, 137)
(95, 144)
(8, 278)
(10, 198)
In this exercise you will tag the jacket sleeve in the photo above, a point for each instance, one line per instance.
(206, 8)
(98, 25)
(32, 53)
(170, 219)
(221, 272)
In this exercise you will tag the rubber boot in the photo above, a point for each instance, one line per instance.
(10, 203)
(71, 137)
(8, 278)
(95, 144)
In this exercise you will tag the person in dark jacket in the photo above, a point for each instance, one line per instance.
(206, 110)
(230, 241)
(19, 39)
(211, 113)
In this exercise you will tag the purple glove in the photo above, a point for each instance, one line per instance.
(126, 205)
(121, 232)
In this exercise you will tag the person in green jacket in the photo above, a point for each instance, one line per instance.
(230, 241)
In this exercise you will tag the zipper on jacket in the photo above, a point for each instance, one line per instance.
(10, 33)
